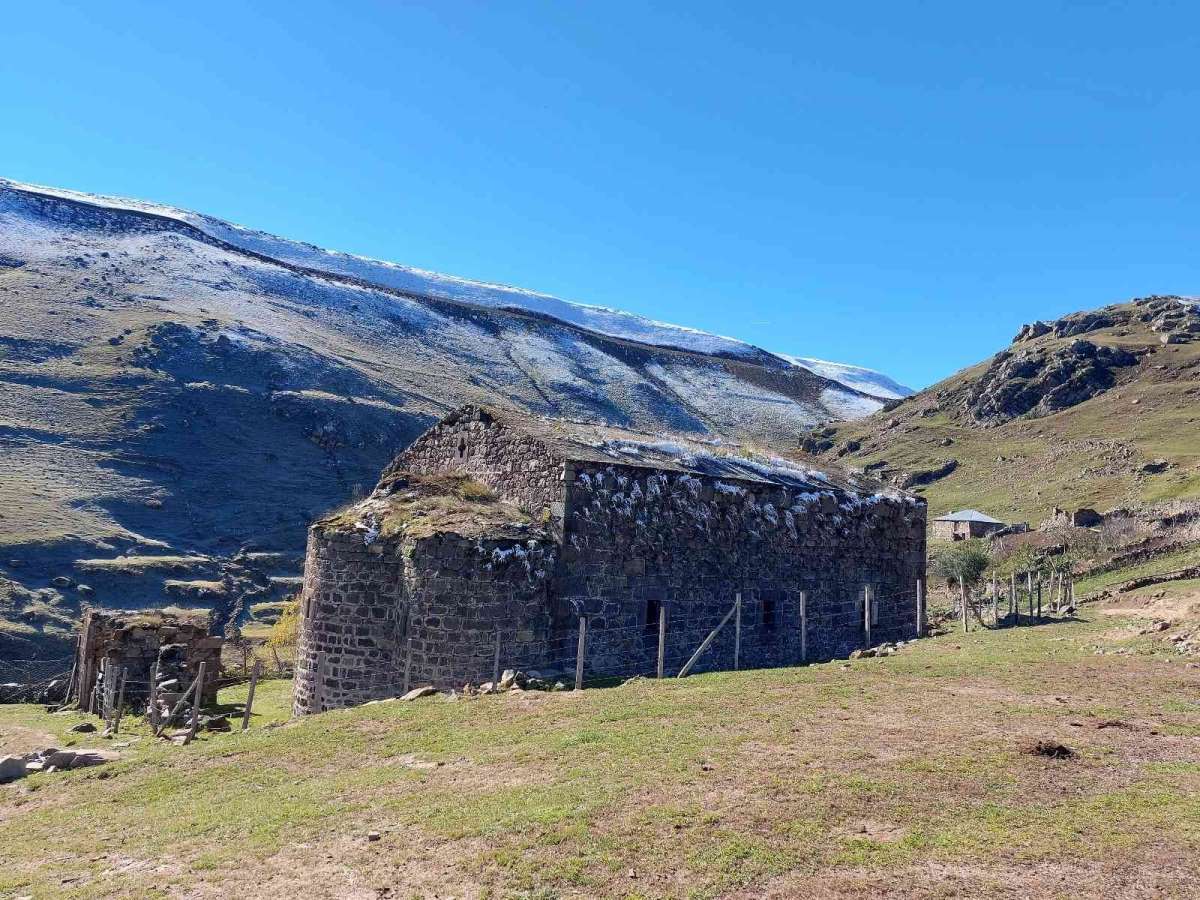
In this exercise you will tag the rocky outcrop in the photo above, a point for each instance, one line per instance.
(1043, 380)
(908, 480)
(1175, 319)
(1031, 330)
(1164, 314)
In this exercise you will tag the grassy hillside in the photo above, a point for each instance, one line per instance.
(901, 776)
(1089, 454)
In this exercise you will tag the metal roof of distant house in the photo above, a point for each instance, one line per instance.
(968, 515)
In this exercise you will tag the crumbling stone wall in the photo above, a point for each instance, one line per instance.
(136, 640)
(365, 606)
(518, 467)
(635, 538)
(350, 647)
(466, 591)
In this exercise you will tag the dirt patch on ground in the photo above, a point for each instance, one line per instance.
(17, 740)
(1155, 603)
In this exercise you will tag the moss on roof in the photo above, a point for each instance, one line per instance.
(408, 505)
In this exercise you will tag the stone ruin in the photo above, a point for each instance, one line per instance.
(137, 640)
(1083, 517)
(501, 530)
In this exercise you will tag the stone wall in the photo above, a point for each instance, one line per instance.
(466, 592)
(352, 605)
(364, 606)
(635, 538)
(112, 640)
(519, 468)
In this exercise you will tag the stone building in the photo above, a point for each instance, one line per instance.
(503, 530)
(1083, 517)
(965, 525)
(135, 640)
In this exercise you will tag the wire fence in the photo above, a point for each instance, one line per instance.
(34, 680)
(753, 628)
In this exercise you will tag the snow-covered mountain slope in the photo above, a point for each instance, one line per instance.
(612, 322)
(164, 390)
(866, 380)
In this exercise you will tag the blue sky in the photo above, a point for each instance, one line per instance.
(897, 185)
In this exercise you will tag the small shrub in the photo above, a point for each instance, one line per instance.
(470, 489)
(286, 630)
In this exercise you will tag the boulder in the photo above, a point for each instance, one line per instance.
(1030, 331)
(77, 759)
(417, 693)
(11, 768)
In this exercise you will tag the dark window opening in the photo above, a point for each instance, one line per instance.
(462, 448)
(652, 608)
(768, 611)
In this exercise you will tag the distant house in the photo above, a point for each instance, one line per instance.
(964, 525)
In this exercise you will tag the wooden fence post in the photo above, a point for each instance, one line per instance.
(250, 694)
(804, 626)
(83, 694)
(197, 697)
(105, 685)
(74, 666)
(868, 599)
(1039, 607)
(662, 637)
(120, 701)
(152, 702)
(580, 653)
(1014, 605)
(737, 632)
(962, 590)
(705, 644)
(408, 665)
(495, 662)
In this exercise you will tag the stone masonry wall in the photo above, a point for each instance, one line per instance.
(519, 468)
(364, 605)
(636, 537)
(351, 640)
(135, 640)
(467, 591)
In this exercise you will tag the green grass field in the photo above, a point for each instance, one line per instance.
(904, 774)
(1163, 564)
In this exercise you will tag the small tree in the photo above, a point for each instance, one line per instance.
(286, 629)
(964, 562)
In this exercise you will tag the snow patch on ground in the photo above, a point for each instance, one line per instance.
(848, 406)
(860, 379)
